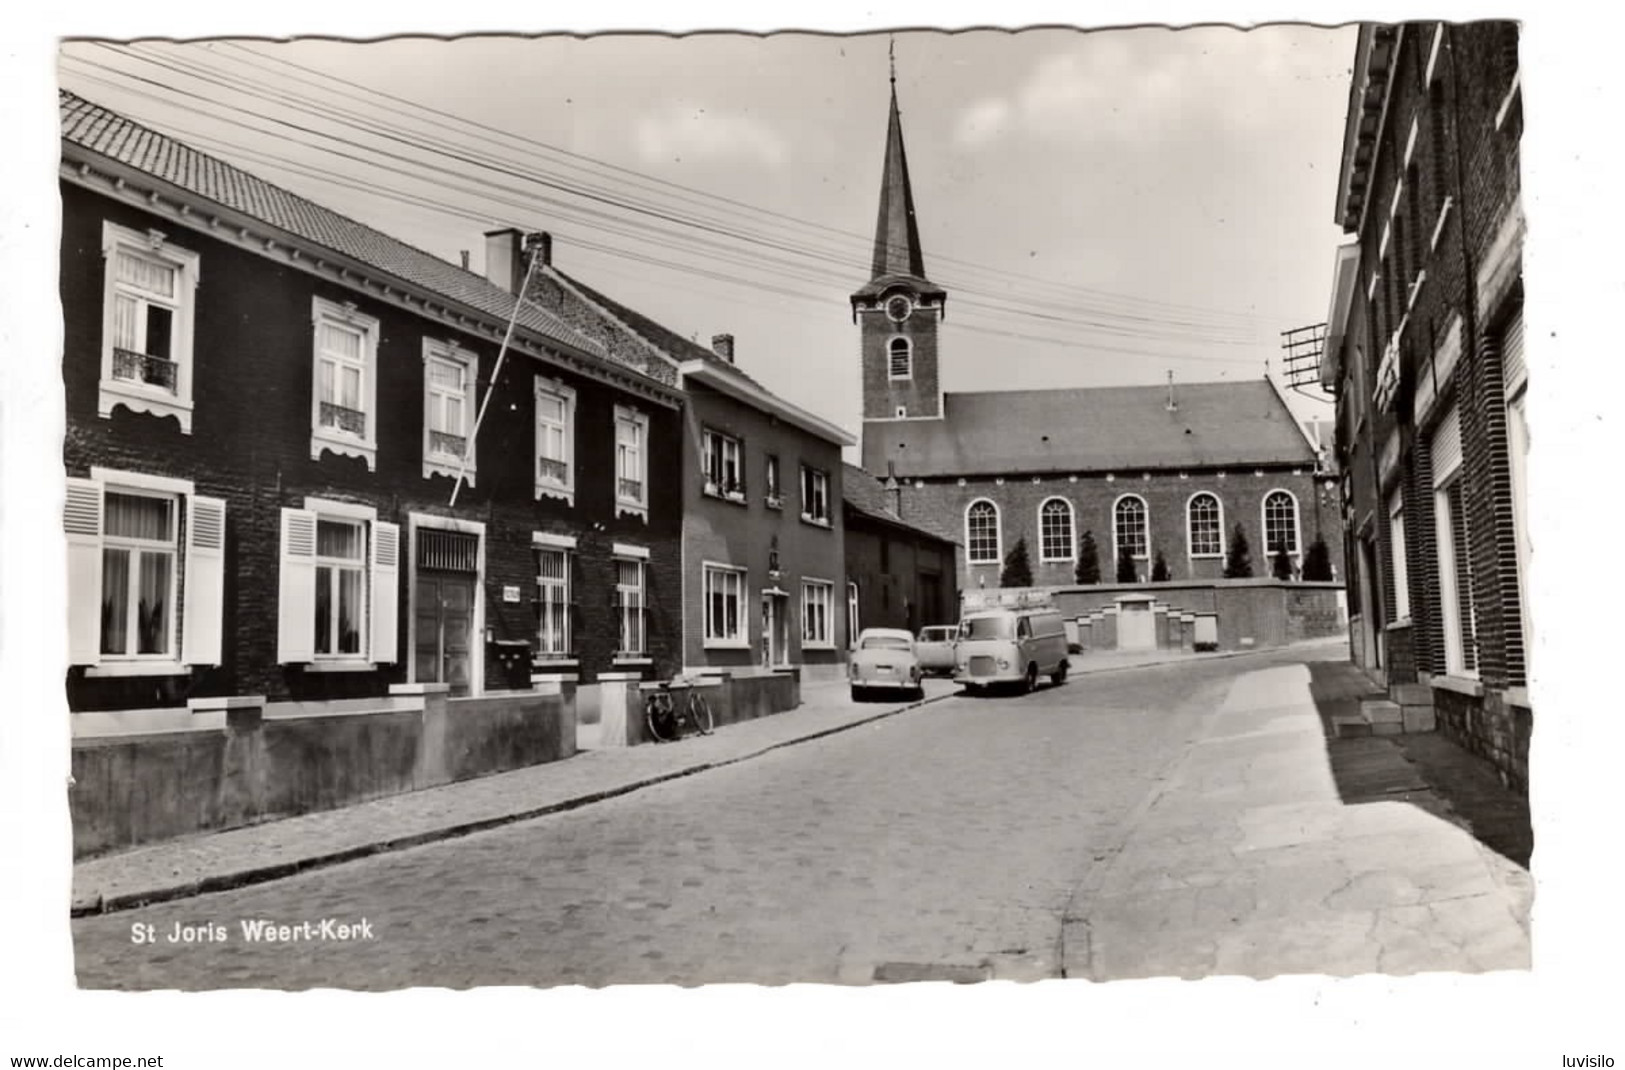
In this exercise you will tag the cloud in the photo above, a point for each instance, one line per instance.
(984, 121)
(1145, 88)
(682, 131)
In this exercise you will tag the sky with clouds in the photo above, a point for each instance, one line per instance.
(1103, 207)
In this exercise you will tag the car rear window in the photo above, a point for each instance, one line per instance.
(886, 642)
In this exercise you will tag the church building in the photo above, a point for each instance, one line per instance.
(1150, 469)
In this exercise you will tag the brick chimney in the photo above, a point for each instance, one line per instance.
(723, 346)
(504, 258)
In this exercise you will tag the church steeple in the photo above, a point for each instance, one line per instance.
(897, 235)
(898, 309)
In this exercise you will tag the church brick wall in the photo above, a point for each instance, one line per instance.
(942, 503)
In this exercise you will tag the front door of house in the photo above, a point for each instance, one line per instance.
(775, 636)
(445, 627)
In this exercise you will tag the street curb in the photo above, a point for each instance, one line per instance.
(264, 874)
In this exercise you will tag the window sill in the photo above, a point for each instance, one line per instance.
(1461, 685)
(1400, 625)
(814, 521)
(727, 644)
(736, 499)
(1057, 561)
(626, 508)
(541, 664)
(774, 503)
(632, 659)
(1516, 696)
(345, 665)
(137, 668)
(448, 467)
(345, 445)
(137, 398)
(1208, 557)
(807, 645)
(553, 490)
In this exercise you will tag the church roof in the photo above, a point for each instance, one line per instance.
(1097, 429)
(897, 256)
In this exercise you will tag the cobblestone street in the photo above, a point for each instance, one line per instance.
(947, 842)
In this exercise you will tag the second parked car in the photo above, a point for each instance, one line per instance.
(935, 649)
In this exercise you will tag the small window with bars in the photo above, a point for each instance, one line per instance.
(631, 607)
(552, 602)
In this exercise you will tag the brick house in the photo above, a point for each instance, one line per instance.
(268, 406)
(1147, 470)
(899, 574)
(1425, 354)
(763, 545)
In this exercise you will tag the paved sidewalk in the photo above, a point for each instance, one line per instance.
(1249, 861)
(211, 862)
(216, 861)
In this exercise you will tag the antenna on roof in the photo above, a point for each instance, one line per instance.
(1173, 406)
(891, 58)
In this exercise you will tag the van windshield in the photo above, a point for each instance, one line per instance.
(985, 628)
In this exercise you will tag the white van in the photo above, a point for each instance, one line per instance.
(1005, 645)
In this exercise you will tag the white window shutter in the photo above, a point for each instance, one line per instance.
(82, 523)
(205, 580)
(296, 588)
(386, 571)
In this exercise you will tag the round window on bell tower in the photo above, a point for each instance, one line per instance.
(898, 308)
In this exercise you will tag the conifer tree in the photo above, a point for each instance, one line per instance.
(1088, 570)
(1127, 570)
(1238, 563)
(1018, 568)
(1317, 563)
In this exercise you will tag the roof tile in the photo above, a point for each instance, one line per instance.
(1098, 429)
(100, 130)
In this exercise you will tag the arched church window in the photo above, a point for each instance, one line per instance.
(1206, 525)
(1280, 522)
(1129, 527)
(902, 359)
(982, 533)
(1055, 542)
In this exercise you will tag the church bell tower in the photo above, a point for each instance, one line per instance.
(899, 310)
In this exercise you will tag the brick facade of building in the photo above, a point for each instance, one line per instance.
(1427, 403)
(251, 382)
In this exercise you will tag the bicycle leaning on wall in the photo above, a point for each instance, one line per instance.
(671, 716)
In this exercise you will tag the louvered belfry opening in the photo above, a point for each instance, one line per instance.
(448, 551)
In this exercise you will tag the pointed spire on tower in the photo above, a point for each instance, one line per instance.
(897, 236)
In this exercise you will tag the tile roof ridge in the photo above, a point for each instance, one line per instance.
(304, 201)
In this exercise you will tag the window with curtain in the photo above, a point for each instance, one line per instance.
(340, 575)
(139, 552)
(552, 602)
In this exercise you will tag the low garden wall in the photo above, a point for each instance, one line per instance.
(1202, 614)
(246, 766)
